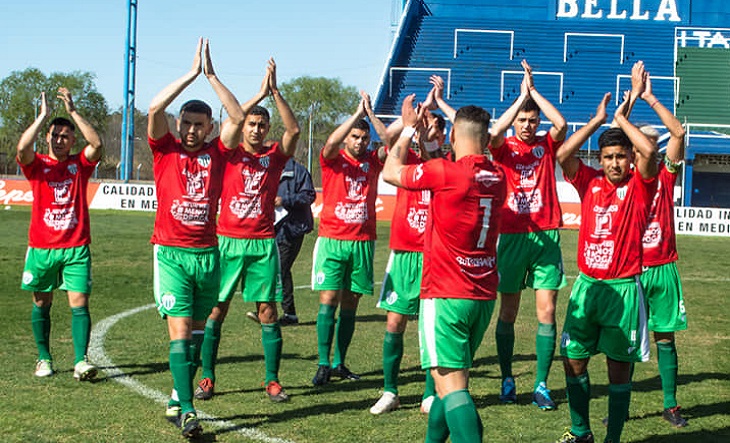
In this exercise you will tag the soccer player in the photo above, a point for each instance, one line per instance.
(459, 283)
(247, 244)
(58, 239)
(188, 175)
(529, 244)
(342, 268)
(401, 288)
(606, 311)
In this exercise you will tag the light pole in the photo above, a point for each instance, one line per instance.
(313, 107)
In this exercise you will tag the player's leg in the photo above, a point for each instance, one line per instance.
(41, 277)
(578, 391)
(209, 312)
(76, 277)
(619, 397)
(328, 271)
(344, 331)
(40, 318)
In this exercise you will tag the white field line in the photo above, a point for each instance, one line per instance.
(98, 355)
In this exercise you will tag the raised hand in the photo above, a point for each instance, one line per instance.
(648, 93)
(438, 87)
(271, 69)
(408, 114)
(208, 62)
(64, 95)
(601, 109)
(44, 106)
(638, 78)
(198, 59)
(527, 80)
(430, 102)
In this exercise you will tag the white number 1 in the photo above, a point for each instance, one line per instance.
(485, 203)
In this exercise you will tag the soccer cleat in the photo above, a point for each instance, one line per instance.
(541, 398)
(387, 403)
(288, 320)
(172, 412)
(322, 377)
(43, 368)
(84, 371)
(426, 404)
(276, 392)
(569, 437)
(254, 317)
(204, 391)
(509, 391)
(673, 416)
(189, 425)
(344, 373)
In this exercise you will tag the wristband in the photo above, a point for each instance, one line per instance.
(408, 131)
(431, 146)
(654, 104)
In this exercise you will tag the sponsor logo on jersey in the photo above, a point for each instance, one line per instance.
(486, 178)
(418, 173)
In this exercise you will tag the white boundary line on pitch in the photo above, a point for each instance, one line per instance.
(98, 355)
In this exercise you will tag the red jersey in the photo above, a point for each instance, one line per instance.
(60, 213)
(660, 241)
(349, 191)
(613, 221)
(409, 215)
(532, 197)
(188, 186)
(250, 183)
(460, 250)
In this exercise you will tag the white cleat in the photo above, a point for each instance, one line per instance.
(387, 403)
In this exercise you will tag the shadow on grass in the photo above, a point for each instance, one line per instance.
(717, 436)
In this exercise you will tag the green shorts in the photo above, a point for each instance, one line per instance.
(254, 262)
(663, 295)
(402, 283)
(607, 316)
(186, 281)
(343, 264)
(530, 259)
(68, 269)
(450, 331)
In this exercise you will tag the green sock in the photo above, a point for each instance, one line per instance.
(619, 397)
(392, 355)
(545, 350)
(196, 345)
(462, 417)
(271, 340)
(180, 369)
(40, 319)
(345, 330)
(209, 348)
(430, 388)
(505, 335)
(80, 331)
(667, 359)
(437, 430)
(325, 332)
(578, 390)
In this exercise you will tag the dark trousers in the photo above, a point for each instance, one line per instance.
(288, 252)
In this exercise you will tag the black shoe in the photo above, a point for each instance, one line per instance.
(288, 320)
(569, 437)
(190, 425)
(344, 373)
(673, 416)
(322, 377)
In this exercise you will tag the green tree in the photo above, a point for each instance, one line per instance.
(19, 93)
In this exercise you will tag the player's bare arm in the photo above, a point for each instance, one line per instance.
(262, 93)
(560, 126)
(508, 117)
(645, 149)
(380, 128)
(230, 133)
(675, 144)
(567, 153)
(332, 145)
(92, 151)
(396, 160)
(638, 81)
(25, 151)
(157, 125)
(438, 96)
(291, 127)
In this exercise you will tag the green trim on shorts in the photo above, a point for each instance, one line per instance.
(343, 264)
(254, 263)
(665, 301)
(402, 283)
(530, 259)
(67, 269)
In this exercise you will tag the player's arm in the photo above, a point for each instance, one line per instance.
(508, 117)
(567, 153)
(230, 133)
(396, 160)
(157, 125)
(380, 128)
(438, 97)
(92, 151)
(645, 149)
(291, 127)
(25, 153)
(332, 145)
(560, 126)
(675, 144)
(639, 76)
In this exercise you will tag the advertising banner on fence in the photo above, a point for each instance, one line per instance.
(142, 197)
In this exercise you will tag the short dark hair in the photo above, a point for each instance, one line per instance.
(260, 110)
(197, 107)
(477, 116)
(61, 121)
(529, 105)
(440, 122)
(362, 125)
(614, 137)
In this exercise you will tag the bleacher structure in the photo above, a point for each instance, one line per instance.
(578, 49)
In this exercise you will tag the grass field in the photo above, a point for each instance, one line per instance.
(126, 404)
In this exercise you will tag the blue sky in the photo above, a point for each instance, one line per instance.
(345, 39)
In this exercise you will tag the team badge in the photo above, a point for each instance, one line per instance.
(27, 278)
(168, 301)
(392, 297)
(46, 170)
(320, 277)
(621, 192)
(72, 169)
(264, 161)
(365, 167)
(538, 151)
(564, 340)
(204, 160)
